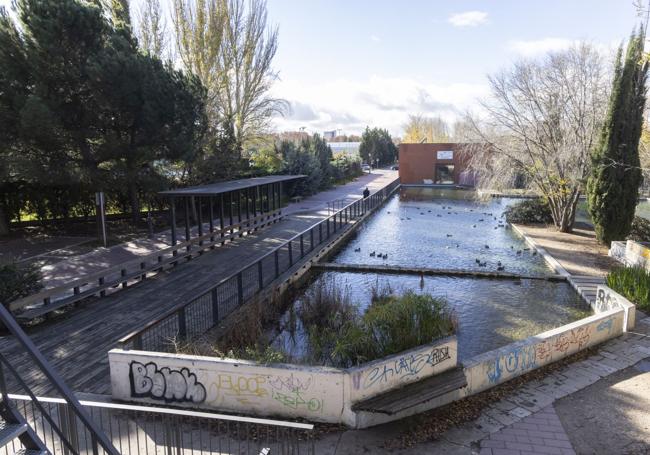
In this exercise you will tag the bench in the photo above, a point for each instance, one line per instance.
(414, 394)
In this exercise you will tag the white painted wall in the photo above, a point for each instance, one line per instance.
(379, 376)
(327, 394)
(225, 384)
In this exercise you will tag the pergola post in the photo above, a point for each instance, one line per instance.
(230, 211)
(211, 214)
(172, 220)
(200, 220)
(187, 221)
(221, 215)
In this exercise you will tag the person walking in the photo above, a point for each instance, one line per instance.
(366, 193)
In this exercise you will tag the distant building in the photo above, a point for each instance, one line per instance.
(349, 148)
(329, 135)
(439, 164)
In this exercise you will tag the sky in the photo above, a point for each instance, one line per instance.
(347, 64)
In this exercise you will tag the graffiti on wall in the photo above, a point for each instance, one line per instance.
(605, 301)
(149, 381)
(516, 360)
(254, 389)
(403, 367)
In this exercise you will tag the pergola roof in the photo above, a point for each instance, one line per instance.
(228, 186)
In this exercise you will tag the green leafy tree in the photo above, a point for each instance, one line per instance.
(613, 185)
(377, 147)
(299, 160)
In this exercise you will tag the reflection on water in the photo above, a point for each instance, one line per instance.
(438, 228)
(582, 214)
(450, 229)
(491, 313)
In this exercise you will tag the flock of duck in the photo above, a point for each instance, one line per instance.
(480, 263)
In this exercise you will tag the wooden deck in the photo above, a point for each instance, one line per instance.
(77, 342)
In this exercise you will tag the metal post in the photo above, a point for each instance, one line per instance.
(311, 239)
(230, 211)
(211, 202)
(182, 324)
(215, 306)
(302, 247)
(240, 289)
(187, 221)
(290, 254)
(172, 220)
(200, 220)
(277, 263)
(260, 275)
(221, 215)
(101, 217)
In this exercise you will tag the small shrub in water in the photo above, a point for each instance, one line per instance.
(529, 211)
(633, 283)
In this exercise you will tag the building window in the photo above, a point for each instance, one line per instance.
(444, 174)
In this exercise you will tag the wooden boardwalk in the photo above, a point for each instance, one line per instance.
(77, 342)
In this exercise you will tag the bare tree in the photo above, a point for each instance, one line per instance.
(152, 30)
(543, 119)
(229, 45)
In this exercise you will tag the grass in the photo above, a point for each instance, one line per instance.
(341, 335)
(633, 283)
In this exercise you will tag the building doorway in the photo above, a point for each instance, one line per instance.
(444, 174)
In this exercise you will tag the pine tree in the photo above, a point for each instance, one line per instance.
(613, 186)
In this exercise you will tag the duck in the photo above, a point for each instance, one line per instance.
(450, 235)
(357, 250)
(487, 247)
(372, 254)
(501, 268)
(518, 251)
(385, 256)
(473, 225)
(478, 261)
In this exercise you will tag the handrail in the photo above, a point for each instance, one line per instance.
(47, 294)
(54, 378)
(357, 207)
(172, 411)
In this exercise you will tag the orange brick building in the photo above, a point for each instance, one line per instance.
(439, 163)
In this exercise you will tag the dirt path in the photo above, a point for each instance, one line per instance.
(579, 252)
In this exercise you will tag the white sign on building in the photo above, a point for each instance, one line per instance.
(445, 155)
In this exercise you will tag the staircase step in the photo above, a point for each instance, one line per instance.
(411, 395)
(31, 452)
(10, 431)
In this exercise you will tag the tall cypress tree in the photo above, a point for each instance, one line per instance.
(613, 186)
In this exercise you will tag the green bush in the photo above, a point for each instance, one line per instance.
(18, 281)
(640, 230)
(529, 211)
(633, 283)
(339, 335)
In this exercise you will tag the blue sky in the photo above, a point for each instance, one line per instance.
(348, 64)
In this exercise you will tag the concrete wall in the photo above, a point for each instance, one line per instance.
(607, 299)
(379, 376)
(315, 393)
(500, 365)
(637, 254)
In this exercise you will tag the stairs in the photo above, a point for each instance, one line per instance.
(12, 427)
(586, 286)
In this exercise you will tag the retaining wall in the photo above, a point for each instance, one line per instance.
(315, 393)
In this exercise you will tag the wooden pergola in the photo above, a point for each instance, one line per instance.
(232, 204)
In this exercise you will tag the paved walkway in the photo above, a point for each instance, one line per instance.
(70, 268)
(579, 253)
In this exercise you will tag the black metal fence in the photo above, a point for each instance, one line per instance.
(150, 430)
(207, 308)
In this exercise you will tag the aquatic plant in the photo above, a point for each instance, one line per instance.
(633, 283)
(341, 335)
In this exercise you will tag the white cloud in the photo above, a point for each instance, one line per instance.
(378, 101)
(468, 19)
(375, 38)
(534, 48)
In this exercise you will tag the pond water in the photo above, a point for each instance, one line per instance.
(445, 229)
(450, 229)
(582, 214)
(490, 312)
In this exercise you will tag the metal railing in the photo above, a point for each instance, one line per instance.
(40, 371)
(120, 276)
(204, 310)
(151, 430)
